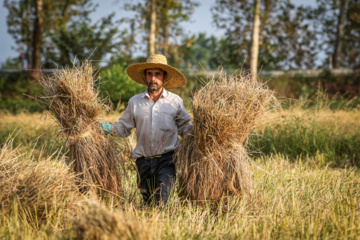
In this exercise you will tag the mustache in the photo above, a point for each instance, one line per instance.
(153, 83)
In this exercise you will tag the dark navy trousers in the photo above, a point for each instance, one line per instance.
(156, 177)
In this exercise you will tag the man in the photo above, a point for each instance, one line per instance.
(159, 117)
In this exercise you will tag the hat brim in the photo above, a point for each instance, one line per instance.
(174, 78)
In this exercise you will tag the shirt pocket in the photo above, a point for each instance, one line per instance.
(167, 122)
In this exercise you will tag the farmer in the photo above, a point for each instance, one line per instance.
(159, 117)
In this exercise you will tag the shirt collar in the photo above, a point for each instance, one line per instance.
(145, 94)
(164, 94)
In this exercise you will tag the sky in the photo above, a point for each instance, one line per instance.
(201, 21)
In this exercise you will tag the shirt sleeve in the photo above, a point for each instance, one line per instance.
(122, 128)
(183, 121)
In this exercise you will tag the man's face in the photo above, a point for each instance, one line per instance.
(155, 78)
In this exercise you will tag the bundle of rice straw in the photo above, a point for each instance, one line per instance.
(97, 222)
(73, 100)
(33, 189)
(213, 161)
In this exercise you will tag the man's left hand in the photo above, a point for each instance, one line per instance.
(107, 127)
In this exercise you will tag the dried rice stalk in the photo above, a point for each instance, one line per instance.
(97, 222)
(74, 102)
(39, 189)
(213, 162)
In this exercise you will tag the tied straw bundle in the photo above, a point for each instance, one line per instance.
(35, 190)
(74, 102)
(213, 161)
(98, 222)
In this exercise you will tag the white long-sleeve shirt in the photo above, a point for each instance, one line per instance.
(157, 124)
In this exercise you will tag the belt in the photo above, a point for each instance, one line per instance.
(168, 154)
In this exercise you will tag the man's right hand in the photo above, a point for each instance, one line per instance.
(107, 127)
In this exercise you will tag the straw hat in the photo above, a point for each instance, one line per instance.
(174, 78)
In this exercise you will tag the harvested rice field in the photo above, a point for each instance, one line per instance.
(306, 184)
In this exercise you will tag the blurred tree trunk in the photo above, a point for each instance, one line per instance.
(339, 35)
(166, 40)
(63, 27)
(255, 41)
(168, 16)
(152, 31)
(165, 20)
(37, 39)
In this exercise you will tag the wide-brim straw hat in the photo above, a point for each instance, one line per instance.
(174, 78)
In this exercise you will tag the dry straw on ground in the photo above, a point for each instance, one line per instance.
(38, 189)
(73, 99)
(97, 222)
(213, 161)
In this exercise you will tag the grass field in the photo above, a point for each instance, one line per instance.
(306, 177)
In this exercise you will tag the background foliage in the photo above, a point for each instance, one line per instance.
(306, 156)
(292, 36)
(117, 84)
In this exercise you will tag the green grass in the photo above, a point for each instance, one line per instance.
(335, 136)
(308, 128)
(290, 200)
(33, 133)
(306, 185)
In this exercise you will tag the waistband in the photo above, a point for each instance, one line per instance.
(168, 154)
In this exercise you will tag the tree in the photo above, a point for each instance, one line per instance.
(339, 35)
(37, 38)
(152, 31)
(235, 17)
(255, 41)
(337, 25)
(195, 51)
(38, 25)
(284, 34)
(351, 46)
(19, 23)
(83, 40)
(172, 13)
(200, 51)
(169, 14)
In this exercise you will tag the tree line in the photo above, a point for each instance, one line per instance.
(266, 34)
